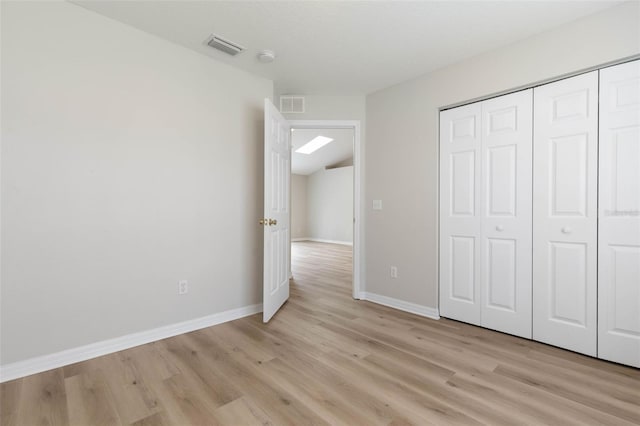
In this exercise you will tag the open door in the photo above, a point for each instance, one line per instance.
(275, 221)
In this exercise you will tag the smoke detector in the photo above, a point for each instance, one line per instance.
(266, 56)
(226, 46)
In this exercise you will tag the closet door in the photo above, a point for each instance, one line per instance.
(506, 213)
(619, 215)
(564, 213)
(460, 213)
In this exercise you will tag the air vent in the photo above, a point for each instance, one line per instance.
(225, 46)
(292, 104)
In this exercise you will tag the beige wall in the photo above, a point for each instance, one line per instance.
(128, 163)
(299, 212)
(402, 139)
(322, 205)
(330, 205)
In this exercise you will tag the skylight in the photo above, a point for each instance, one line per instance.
(313, 145)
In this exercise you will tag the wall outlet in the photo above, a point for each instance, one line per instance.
(183, 287)
(394, 272)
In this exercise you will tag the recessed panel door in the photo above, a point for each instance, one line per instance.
(506, 213)
(619, 215)
(277, 178)
(565, 168)
(460, 213)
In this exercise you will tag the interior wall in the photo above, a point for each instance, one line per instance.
(402, 139)
(330, 205)
(128, 163)
(299, 212)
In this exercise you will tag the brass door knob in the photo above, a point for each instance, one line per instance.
(273, 222)
(263, 222)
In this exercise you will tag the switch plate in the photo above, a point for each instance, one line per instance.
(377, 204)
(183, 287)
(394, 272)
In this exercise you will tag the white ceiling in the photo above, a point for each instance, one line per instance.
(334, 152)
(335, 47)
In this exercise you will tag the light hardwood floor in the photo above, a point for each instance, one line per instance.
(327, 359)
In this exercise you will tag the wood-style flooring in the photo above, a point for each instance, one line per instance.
(327, 359)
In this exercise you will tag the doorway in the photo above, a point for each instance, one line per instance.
(330, 178)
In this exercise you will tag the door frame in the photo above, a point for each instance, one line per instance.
(358, 166)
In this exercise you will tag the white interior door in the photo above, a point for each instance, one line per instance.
(507, 135)
(564, 213)
(277, 178)
(460, 216)
(619, 215)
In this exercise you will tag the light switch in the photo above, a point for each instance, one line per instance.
(377, 204)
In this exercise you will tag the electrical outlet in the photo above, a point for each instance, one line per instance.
(183, 287)
(394, 272)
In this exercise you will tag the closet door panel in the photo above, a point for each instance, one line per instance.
(460, 143)
(619, 215)
(506, 213)
(568, 285)
(565, 152)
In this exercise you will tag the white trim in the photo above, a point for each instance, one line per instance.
(423, 311)
(320, 240)
(59, 359)
(358, 196)
(542, 82)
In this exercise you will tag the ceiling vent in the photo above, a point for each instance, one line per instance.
(225, 46)
(291, 104)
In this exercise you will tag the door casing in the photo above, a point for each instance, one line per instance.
(358, 202)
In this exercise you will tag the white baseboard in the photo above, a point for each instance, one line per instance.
(320, 240)
(401, 305)
(59, 359)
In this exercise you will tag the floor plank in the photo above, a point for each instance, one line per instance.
(328, 359)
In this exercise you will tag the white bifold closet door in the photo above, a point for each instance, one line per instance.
(506, 213)
(485, 213)
(460, 218)
(619, 215)
(565, 200)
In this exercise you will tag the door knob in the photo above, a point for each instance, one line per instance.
(499, 228)
(263, 222)
(566, 230)
(273, 222)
